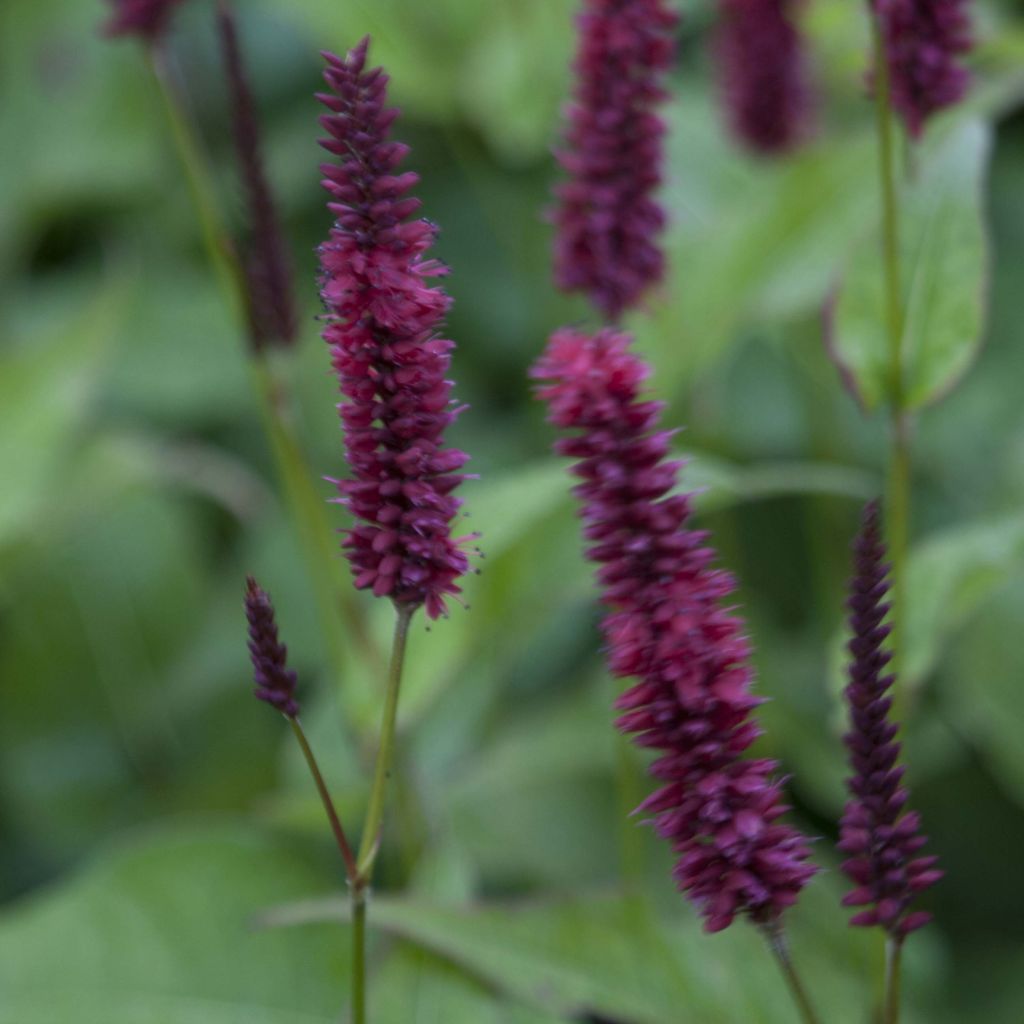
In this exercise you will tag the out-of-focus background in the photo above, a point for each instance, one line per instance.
(150, 809)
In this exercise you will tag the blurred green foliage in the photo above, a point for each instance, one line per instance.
(152, 815)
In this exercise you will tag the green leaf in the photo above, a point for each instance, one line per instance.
(944, 262)
(159, 932)
(415, 987)
(615, 959)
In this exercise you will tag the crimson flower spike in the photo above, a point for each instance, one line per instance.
(880, 840)
(764, 74)
(147, 19)
(924, 41)
(275, 682)
(272, 318)
(382, 325)
(607, 221)
(666, 626)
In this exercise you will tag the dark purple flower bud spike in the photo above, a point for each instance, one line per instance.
(383, 328)
(880, 839)
(275, 682)
(667, 626)
(924, 42)
(764, 74)
(267, 268)
(607, 221)
(147, 19)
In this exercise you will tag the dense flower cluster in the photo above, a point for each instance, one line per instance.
(666, 625)
(275, 682)
(272, 318)
(880, 840)
(924, 40)
(145, 18)
(764, 74)
(606, 219)
(382, 327)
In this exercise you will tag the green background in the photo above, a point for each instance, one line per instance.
(162, 855)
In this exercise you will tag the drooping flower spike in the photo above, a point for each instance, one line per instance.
(764, 74)
(272, 318)
(667, 627)
(275, 682)
(880, 839)
(383, 324)
(606, 217)
(147, 19)
(924, 42)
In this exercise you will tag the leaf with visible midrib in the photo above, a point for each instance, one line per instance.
(944, 265)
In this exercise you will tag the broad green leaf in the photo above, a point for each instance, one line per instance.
(416, 987)
(160, 932)
(944, 266)
(615, 959)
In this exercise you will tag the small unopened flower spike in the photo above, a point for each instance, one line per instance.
(764, 74)
(383, 324)
(881, 839)
(275, 682)
(668, 628)
(606, 217)
(272, 318)
(925, 41)
(147, 19)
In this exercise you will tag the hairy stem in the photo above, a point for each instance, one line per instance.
(898, 511)
(780, 950)
(893, 956)
(385, 752)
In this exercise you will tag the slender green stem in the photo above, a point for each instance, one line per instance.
(780, 950)
(218, 242)
(325, 797)
(358, 895)
(630, 793)
(893, 957)
(385, 752)
(898, 511)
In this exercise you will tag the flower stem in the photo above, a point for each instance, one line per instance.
(325, 797)
(780, 950)
(358, 898)
(898, 511)
(218, 242)
(385, 752)
(893, 956)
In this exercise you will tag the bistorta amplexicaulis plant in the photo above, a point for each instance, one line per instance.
(275, 682)
(880, 838)
(147, 19)
(667, 626)
(264, 253)
(383, 324)
(764, 75)
(607, 219)
(924, 42)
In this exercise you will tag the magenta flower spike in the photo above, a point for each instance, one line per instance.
(667, 627)
(272, 318)
(147, 19)
(881, 841)
(275, 682)
(607, 220)
(924, 41)
(764, 74)
(383, 324)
